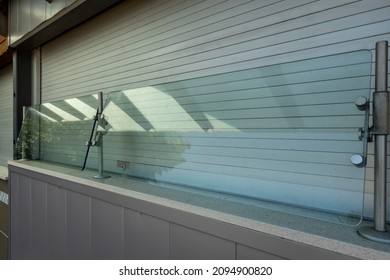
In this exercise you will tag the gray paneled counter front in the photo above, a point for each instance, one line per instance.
(58, 212)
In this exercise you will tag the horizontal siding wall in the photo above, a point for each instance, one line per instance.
(6, 113)
(138, 44)
(140, 48)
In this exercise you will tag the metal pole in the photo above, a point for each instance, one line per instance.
(100, 156)
(380, 183)
(99, 141)
(381, 123)
(380, 129)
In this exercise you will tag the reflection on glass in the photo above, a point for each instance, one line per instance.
(281, 133)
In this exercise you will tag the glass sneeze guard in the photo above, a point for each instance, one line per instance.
(281, 134)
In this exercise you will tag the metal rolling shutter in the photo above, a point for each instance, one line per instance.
(138, 44)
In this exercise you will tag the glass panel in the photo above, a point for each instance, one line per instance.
(58, 131)
(281, 134)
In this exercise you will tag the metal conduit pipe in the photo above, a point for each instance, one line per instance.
(380, 129)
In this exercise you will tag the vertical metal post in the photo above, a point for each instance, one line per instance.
(22, 88)
(99, 142)
(23, 141)
(380, 183)
(381, 140)
(100, 157)
(380, 129)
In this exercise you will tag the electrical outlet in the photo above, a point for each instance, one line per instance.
(123, 164)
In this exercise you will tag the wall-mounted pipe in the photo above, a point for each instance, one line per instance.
(380, 129)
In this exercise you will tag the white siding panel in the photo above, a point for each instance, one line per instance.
(6, 113)
(136, 44)
(93, 68)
